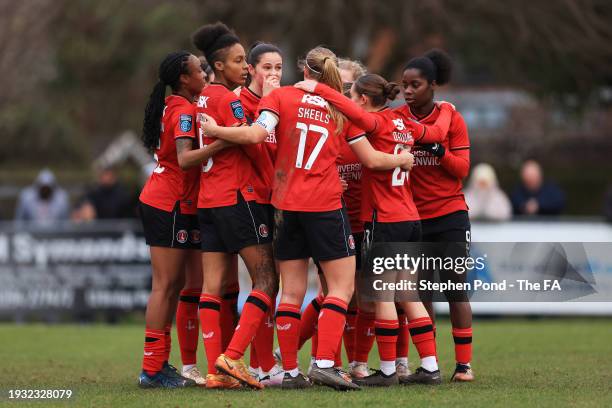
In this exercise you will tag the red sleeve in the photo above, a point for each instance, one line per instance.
(352, 133)
(457, 159)
(183, 122)
(230, 110)
(350, 109)
(436, 133)
(270, 102)
(458, 139)
(457, 162)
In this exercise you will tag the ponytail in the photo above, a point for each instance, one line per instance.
(170, 70)
(322, 65)
(376, 88)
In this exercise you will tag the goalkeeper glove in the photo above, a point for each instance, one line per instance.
(436, 149)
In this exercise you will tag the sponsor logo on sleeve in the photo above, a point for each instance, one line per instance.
(237, 109)
(186, 122)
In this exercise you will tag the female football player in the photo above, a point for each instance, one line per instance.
(187, 320)
(311, 220)
(349, 169)
(389, 211)
(265, 65)
(167, 205)
(437, 189)
(231, 221)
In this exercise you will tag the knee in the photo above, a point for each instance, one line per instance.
(344, 292)
(292, 296)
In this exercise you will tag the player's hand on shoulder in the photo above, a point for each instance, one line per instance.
(307, 85)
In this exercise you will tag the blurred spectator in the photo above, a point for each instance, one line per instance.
(44, 202)
(108, 199)
(486, 201)
(534, 196)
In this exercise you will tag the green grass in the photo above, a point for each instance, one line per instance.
(539, 363)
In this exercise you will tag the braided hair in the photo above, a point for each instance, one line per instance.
(170, 70)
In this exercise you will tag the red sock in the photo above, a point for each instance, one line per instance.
(330, 327)
(210, 307)
(154, 351)
(168, 340)
(253, 360)
(229, 313)
(403, 339)
(314, 341)
(338, 356)
(421, 330)
(386, 338)
(253, 313)
(264, 341)
(364, 336)
(349, 334)
(309, 319)
(433, 324)
(188, 325)
(463, 345)
(288, 332)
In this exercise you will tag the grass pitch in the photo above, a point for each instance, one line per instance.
(526, 363)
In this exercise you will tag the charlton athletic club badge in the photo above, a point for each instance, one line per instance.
(351, 242)
(263, 230)
(195, 236)
(182, 236)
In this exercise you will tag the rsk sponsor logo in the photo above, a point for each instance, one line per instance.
(202, 101)
(314, 100)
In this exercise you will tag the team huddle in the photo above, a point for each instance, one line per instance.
(281, 174)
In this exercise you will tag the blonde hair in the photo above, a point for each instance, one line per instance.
(322, 65)
(355, 67)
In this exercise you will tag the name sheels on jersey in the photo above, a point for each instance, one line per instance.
(314, 114)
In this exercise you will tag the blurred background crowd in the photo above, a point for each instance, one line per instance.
(533, 81)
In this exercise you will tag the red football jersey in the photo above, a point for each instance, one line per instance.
(388, 192)
(305, 174)
(168, 183)
(349, 168)
(436, 191)
(230, 170)
(262, 154)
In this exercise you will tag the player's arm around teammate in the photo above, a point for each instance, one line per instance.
(265, 65)
(230, 218)
(437, 189)
(310, 218)
(167, 208)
